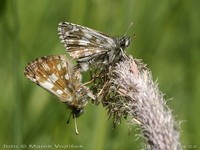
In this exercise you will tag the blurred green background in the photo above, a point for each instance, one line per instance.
(167, 40)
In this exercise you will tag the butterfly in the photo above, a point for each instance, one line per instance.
(90, 47)
(55, 74)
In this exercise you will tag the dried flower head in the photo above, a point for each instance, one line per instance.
(142, 101)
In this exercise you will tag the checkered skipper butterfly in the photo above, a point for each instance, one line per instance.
(90, 47)
(56, 75)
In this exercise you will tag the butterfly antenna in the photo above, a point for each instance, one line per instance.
(69, 118)
(128, 28)
(75, 124)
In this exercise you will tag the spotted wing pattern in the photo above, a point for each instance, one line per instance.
(56, 75)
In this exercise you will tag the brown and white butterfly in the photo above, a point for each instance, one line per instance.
(56, 75)
(90, 47)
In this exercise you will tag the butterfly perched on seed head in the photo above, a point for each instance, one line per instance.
(90, 47)
(56, 75)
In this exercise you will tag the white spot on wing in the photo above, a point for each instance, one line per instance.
(83, 42)
(47, 85)
(66, 33)
(59, 92)
(98, 41)
(74, 29)
(46, 67)
(87, 36)
(98, 51)
(63, 65)
(88, 53)
(53, 77)
(67, 76)
(59, 67)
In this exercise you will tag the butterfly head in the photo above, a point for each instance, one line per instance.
(76, 112)
(125, 41)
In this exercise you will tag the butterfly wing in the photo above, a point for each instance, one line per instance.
(82, 42)
(54, 74)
